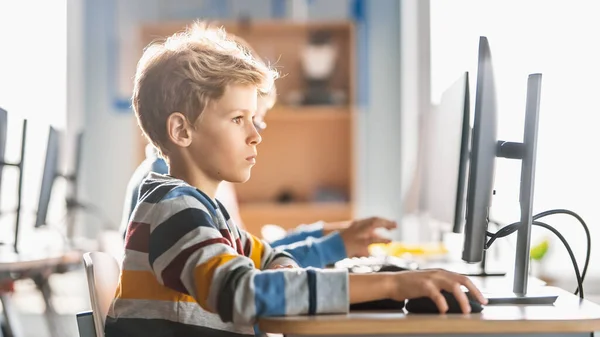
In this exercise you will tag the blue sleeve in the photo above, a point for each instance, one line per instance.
(317, 253)
(300, 234)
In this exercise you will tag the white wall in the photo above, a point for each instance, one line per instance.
(32, 86)
(109, 147)
(379, 124)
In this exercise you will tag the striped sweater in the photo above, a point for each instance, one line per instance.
(189, 271)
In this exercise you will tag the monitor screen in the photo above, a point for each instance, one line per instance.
(48, 176)
(448, 131)
(73, 177)
(483, 157)
(3, 130)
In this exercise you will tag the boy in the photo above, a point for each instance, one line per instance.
(188, 270)
(315, 245)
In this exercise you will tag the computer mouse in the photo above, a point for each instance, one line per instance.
(425, 305)
(386, 304)
(393, 268)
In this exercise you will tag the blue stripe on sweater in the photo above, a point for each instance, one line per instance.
(166, 235)
(312, 291)
(269, 293)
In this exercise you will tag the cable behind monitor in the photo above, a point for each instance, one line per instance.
(510, 229)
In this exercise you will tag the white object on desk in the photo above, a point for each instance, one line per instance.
(272, 233)
(384, 233)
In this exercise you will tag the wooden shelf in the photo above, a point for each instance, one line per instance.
(290, 215)
(162, 29)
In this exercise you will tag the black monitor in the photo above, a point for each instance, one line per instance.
(18, 165)
(73, 176)
(448, 130)
(485, 147)
(78, 154)
(3, 130)
(48, 176)
(73, 179)
(482, 158)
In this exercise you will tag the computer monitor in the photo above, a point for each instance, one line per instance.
(18, 165)
(78, 154)
(3, 131)
(448, 131)
(485, 147)
(48, 176)
(482, 158)
(73, 178)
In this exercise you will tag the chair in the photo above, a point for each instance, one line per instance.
(102, 271)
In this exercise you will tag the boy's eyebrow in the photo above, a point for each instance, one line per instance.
(241, 110)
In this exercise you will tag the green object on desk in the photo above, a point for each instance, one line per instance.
(538, 251)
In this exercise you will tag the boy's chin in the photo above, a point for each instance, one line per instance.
(238, 178)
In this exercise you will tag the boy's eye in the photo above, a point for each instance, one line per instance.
(238, 119)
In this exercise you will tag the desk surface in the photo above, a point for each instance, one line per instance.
(567, 315)
(12, 262)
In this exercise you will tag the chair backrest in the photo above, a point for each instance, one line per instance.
(102, 271)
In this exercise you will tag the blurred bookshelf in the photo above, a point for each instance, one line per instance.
(304, 170)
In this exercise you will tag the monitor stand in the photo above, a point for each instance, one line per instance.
(531, 298)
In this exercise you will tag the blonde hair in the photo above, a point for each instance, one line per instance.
(187, 71)
(267, 99)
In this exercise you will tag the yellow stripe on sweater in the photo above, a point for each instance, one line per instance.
(143, 285)
(203, 275)
(256, 250)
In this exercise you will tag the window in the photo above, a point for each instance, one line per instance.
(558, 40)
(33, 73)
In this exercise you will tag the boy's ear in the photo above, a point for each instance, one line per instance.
(178, 130)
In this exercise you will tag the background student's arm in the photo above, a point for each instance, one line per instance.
(352, 241)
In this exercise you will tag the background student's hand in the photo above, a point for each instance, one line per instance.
(361, 233)
(430, 283)
(330, 227)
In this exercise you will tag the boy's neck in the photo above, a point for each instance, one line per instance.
(195, 178)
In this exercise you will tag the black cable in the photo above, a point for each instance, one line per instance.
(502, 232)
(507, 230)
(587, 233)
(577, 274)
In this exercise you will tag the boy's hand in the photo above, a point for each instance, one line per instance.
(288, 266)
(361, 233)
(430, 283)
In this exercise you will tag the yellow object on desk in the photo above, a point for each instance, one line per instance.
(400, 249)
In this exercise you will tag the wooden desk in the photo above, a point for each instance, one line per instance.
(37, 265)
(12, 262)
(567, 317)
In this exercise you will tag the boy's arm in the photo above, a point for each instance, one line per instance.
(188, 254)
(263, 255)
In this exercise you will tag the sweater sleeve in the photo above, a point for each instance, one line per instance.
(187, 253)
